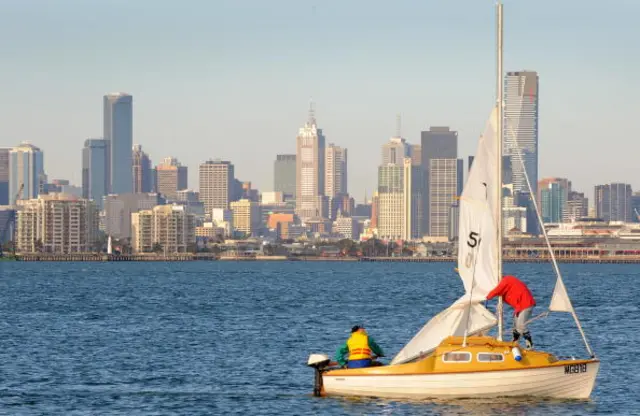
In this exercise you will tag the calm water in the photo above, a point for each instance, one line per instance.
(233, 338)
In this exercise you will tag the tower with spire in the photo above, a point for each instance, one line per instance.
(310, 161)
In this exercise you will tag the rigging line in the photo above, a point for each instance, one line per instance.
(516, 148)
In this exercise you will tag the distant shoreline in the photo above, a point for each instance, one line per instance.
(39, 257)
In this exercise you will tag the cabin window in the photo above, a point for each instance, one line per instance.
(490, 357)
(457, 357)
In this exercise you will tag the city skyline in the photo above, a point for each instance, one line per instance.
(447, 94)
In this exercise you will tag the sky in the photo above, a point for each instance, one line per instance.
(232, 79)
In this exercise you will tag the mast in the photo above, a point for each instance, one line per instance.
(498, 196)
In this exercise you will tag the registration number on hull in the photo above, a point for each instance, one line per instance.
(575, 368)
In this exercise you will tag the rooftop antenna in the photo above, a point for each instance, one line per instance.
(398, 125)
(312, 112)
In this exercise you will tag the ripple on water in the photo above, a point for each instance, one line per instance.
(232, 338)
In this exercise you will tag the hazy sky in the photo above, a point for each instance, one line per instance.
(233, 79)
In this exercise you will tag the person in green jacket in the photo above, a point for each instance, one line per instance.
(359, 347)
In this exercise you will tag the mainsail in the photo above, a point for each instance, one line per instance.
(477, 255)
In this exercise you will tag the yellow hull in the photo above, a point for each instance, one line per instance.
(484, 367)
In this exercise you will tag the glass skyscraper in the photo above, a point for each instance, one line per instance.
(26, 170)
(118, 132)
(94, 170)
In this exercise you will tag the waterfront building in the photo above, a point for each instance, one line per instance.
(142, 171)
(7, 223)
(171, 176)
(57, 223)
(613, 202)
(310, 170)
(26, 172)
(165, 228)
(217, 184)
(521, 127)
(118, 132)
(246, 216)
(118, 210)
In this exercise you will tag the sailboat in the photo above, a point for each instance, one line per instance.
(452, 356)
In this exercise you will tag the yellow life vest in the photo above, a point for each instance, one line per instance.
(358, 345)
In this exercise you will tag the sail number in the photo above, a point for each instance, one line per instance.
(575, 368)
(472, 242)
(473, 239)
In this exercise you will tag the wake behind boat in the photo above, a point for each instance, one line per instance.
(446, 358)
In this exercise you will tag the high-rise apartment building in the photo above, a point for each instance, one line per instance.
(217, 183)
(4, 175)
(284, 175)
(26, 172)
(553, 196)
(445, 186)
(436, 143)
(94, 170)
(171, 177)
(310, 171)
(118, 131)
(335, 164)
(613, 202)
(142, 171)
(164, 228)
(521, 127)
(57, 223)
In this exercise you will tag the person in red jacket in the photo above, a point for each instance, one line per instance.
(517, 295)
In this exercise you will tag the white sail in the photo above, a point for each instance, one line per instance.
(477, 244)
(560, 301)
(453, 321)
(477, 255)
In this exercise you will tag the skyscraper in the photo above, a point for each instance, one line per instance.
(94, 170)
(445, 185)
(118, 131)
(335, 163)
(310, 147)
(217, 181)
(4, 175)
(553, 196)
(521, 127)
(613, 202)
(394, 151)
(26, 170)
(142, 171)
(635, 207)
(171, 177)
(436, 143)
(284, 175)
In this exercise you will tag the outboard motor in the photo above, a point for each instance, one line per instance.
(318, 362)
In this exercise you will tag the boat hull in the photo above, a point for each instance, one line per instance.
(565, 380)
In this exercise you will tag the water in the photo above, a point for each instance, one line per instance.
(233, 338)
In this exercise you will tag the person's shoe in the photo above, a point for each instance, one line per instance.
(516, 335)
(528, 340)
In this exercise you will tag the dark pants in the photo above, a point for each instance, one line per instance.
(359, 363)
